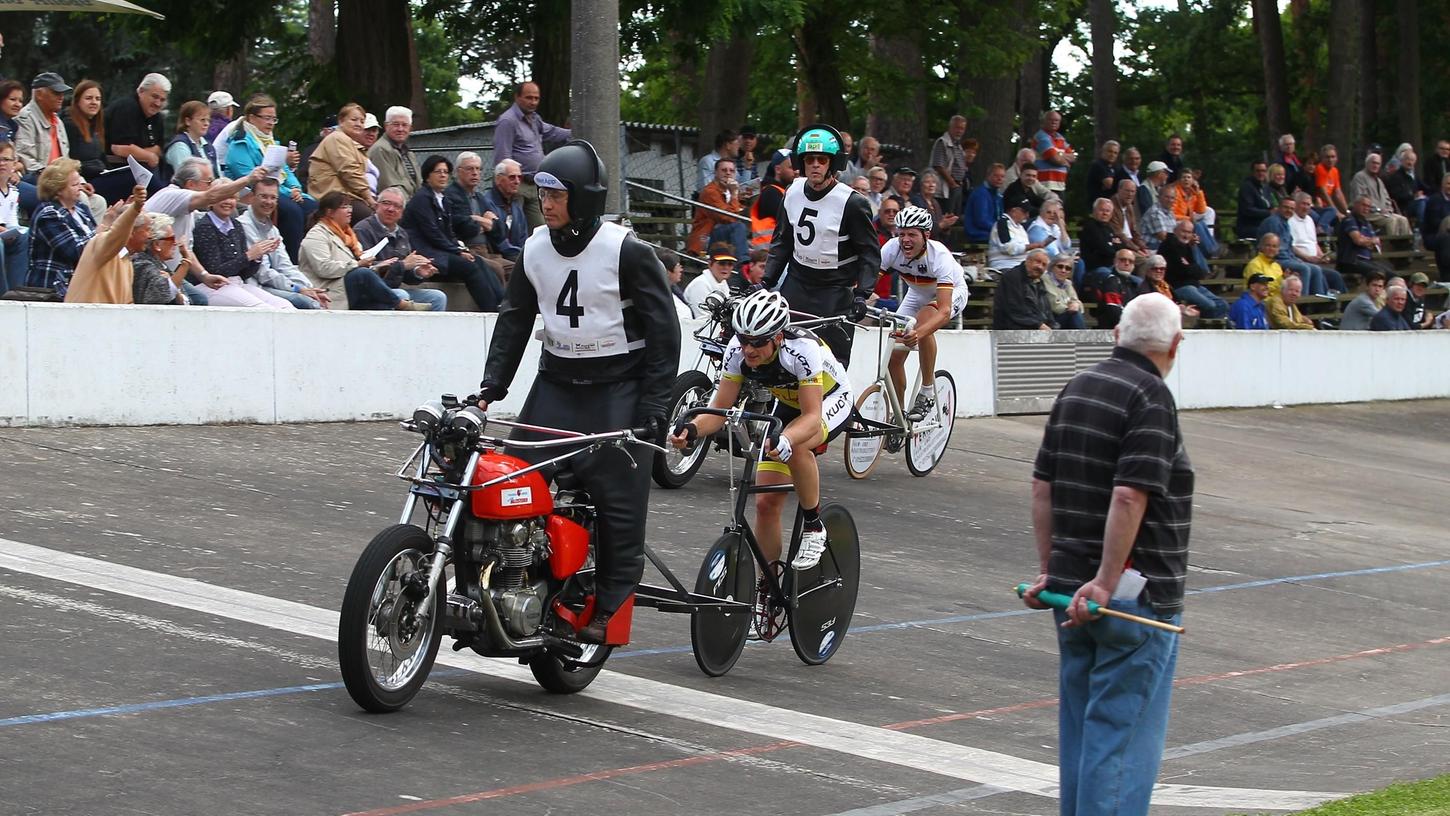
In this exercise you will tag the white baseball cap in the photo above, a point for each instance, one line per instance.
(221, 99)
(370, 121)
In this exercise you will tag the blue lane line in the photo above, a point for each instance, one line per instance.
(137, 708)
(981, 616)
(879, 627)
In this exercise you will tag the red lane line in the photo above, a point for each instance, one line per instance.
(698, 759)
(566, 781)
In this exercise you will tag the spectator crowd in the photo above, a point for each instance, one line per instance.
(99, 204)
(357, 219)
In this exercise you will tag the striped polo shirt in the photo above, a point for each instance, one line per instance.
(1117, 424)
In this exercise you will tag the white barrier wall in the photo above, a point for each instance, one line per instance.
(147, 365)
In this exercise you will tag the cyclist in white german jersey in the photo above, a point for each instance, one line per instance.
(813, 399)
(936, 292)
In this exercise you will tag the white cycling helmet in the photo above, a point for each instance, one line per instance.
(761, 314)
(915, 218)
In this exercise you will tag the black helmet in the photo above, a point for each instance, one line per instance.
(818, 138)
(576, 168)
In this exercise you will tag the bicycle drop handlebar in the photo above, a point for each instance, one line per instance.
(776, 425)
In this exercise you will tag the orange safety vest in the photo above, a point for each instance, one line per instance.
(762, 227)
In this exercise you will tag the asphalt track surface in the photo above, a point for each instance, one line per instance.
(168, 598)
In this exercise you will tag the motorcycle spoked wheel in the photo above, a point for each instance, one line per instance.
(558, 673)
(386, 644)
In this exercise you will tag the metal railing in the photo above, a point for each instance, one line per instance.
(693, 203)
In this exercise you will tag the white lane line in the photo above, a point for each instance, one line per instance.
(867, 742)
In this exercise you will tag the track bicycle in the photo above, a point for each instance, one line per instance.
(815, 604)
(881, 421)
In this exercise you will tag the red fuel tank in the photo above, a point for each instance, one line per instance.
(524, 496)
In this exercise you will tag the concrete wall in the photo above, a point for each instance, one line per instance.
(144, 365)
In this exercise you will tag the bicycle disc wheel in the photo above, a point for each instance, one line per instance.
(672, 470)
(825, 595)
(925, 449)
(862, 452)
(717, 637)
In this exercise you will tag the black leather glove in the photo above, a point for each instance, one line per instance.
(654, 426)
(490, 391)
(858, 310)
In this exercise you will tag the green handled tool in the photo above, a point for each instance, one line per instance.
(1057, 600)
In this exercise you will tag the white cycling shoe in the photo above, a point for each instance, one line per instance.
(813, 545)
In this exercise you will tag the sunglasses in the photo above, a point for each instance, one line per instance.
(755, 342)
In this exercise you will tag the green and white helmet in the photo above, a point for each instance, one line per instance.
(819, 138)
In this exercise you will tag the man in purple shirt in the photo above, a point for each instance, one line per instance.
(520, 135)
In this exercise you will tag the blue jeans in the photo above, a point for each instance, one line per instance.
(1326, 218)
(297, 299)
(1114, 683)
(1205, 238)
(438, 300)
(1209, 304)
(1071, 320)
(1318, 280)
(195, 295)
(734, 233)
(15, 249)
(292, 221)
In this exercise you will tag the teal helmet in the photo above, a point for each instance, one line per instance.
(818, 138)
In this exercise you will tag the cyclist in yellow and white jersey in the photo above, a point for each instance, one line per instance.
(813, 399)
(936, 292)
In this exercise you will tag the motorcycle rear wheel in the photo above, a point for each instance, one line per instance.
(386, 645)
(558, 675)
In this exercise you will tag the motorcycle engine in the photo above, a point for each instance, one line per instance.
(517, 549)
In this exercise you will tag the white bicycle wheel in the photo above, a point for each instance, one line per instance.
(862, 452)
(925, 447)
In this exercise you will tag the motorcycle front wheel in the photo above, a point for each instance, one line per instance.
(386, 642)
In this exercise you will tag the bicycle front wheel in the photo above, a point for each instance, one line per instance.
(717, 636)
(862, 452)
(824, 596)
(926, 447)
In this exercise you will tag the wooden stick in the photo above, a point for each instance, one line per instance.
(1156, 624)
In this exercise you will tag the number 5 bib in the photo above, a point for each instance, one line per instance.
(579, 297)
(816, 224)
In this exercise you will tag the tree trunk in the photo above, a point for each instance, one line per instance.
(376, 58)
(1032, 89)
(1305, 47)
(1407, 23)
(1343, 80)
(898, 105)
(231, 73)
(1103, 19)
(818, 58)
(1276, 86)
(725, 90)
(321, 31)
(552, 51)
(990, 102)
(805, 103)
(1368, 76)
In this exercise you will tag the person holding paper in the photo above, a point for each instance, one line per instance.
(333, 256)
(191, 190)
(252, 145)
(190, 139)
(221, 246)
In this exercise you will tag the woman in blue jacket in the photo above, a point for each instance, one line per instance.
(247, 145)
